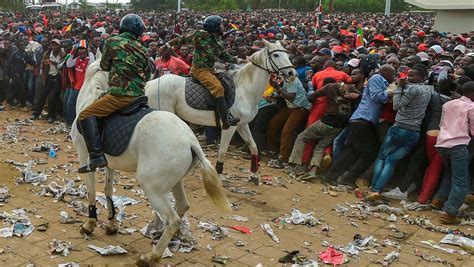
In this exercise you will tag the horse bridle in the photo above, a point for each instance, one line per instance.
(272, 63)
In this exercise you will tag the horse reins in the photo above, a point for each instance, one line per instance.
(274, 66)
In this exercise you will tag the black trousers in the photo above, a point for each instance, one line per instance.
(411, 168)
(51, 90)
(360, 151)
(3, 89)
(17, 90)
(260, 123)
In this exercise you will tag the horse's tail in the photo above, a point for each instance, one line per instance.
(212, 182)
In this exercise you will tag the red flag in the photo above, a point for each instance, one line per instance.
(359, 38)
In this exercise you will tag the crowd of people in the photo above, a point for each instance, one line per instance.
(378, 101)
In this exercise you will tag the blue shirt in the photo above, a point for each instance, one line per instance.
(301, 98)
(373, 97)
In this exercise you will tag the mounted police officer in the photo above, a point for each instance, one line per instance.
(208, 49)
(126, 60)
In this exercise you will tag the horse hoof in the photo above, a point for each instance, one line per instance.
(144, 261)
(87, 228)
(111, 230)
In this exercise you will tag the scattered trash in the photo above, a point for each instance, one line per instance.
(242, 190)
(332, 256)
(45, 147)
(60, 247)
(182, 241)
(120, 202)
(236, 218)
(432, 258)
(391, 243)
(398, 235)
(432, 244)
(464, 242)
(428, 225)
(239, 243)
(17, 224)
(69, 264)
(30, 176)
(218, 232)
(108, 250)
(268, 229)
(242, 229)
(58, 192)
(360, 244)
(58, 129)
(469, 221)
(392, 218)
(390, 258)
(42, 227)
(80, 207)
(414, 206)
(4, 193)
(359, 193)
(65, 219)
(220, 259)
(127, 231)
(13, 135)
(297, 217)
(326, 229)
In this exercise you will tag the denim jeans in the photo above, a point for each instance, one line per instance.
(397, 144)
(211, 133)
(455, 183)
(339, 143)
(30, 86)
(70, 98)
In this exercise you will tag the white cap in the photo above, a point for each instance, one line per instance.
(354, 62)
(461, 48)
(424, 56)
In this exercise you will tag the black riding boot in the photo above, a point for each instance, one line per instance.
(91, 134)
(227, 119)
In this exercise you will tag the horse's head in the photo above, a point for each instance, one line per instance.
(277, 59)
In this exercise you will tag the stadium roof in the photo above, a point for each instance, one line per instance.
(443, 4)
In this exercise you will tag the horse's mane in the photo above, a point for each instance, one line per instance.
(245, 73)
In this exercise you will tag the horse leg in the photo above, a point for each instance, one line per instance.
(226, 136)
(171, 222)
(182, 204)
(88, 227)
(112, 227)
(245, 133)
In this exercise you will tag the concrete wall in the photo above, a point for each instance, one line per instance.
(454, 21)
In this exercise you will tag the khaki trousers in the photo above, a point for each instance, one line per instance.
(106, 105)
(288, 120)
(207, 78)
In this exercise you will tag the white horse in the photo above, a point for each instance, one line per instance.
(160, 142)
(168, 93)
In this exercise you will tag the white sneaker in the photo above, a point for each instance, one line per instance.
(396, 194)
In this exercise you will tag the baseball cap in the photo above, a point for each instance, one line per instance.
(56, 41)
(354, 62)
(325, 51)
(421, 34)
(460, 48)
(423, 56)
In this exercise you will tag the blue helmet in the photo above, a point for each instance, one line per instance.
(133, 24)
(212, 24)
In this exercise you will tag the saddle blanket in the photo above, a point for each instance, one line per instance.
(118, 129)
(199, 97)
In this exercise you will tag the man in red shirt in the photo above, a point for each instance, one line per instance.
(168, 64)
(319, 106)
(78, 62)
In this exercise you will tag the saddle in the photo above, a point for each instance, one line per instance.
(199, 97)
(117, 129)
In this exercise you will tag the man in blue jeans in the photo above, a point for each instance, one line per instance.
(456, 131)
(410, 100)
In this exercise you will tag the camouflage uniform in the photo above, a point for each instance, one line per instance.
(208, 49)
(126, 60)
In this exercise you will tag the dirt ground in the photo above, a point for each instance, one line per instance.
(269, 202)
